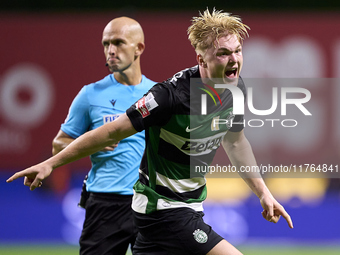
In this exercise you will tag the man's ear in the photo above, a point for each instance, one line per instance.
(139, 49)
(201, 61)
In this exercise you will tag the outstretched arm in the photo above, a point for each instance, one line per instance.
(240, 154)
(83, 146)
(60, 142)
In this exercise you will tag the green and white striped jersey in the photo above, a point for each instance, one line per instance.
(178, 139)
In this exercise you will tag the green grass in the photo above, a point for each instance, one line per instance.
(246, 250)
(38, 250)
(297, 250)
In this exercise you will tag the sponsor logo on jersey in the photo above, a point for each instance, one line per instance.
(200, 236)
(113, 102)
(198, 146)
(188, 130)
(146, 104)
(192, 146)
(110, 118)
(166, 204)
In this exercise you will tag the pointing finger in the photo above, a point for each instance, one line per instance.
(287, 217)
(16, 176)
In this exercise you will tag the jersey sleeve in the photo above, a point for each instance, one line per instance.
(238, 124)
(78, 120)
(153, 109)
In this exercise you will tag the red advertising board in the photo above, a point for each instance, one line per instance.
(47, 58)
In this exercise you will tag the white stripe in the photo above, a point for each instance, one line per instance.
(163, 204)
(144, 174)
(180, 186)
(139, 202)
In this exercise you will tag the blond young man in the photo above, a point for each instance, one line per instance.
(168, 198)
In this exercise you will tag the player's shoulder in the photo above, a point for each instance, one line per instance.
(177, 88)
(182, 78)
(180, 81)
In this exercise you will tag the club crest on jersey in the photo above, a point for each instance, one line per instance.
(146, 104)
(200, 236)
(227, 122)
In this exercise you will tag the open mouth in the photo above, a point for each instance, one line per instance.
(231, 73)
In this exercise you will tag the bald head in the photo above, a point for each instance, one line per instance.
(127, 27)
(123, 41)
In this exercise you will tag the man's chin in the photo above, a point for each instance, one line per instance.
(225, 80)
(113, 69)
(214, 81)
(232, 81)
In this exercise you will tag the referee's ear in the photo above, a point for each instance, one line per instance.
(139, 49)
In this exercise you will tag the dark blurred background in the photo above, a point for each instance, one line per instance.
(154, 5)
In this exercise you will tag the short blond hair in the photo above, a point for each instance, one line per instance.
(210, 26)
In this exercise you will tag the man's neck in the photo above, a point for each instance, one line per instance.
(125, 79)
(209, 81)
(130, 76)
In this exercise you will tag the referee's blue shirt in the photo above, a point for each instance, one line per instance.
(99, 103)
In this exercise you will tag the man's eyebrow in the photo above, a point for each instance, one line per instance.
(228, 49)
(118, 39)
